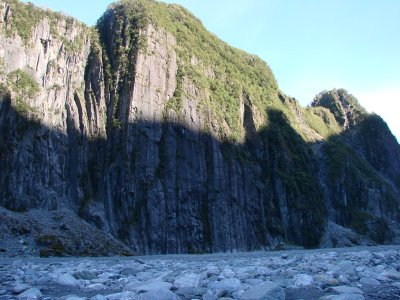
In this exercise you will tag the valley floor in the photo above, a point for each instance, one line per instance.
(340, 273)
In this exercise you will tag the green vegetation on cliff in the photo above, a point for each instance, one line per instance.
(221, 72)
(25, 87)
(23, 18)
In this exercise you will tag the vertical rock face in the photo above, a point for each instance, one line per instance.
(155, 131)
(44, 108)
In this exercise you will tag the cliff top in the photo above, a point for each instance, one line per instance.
(344, 106)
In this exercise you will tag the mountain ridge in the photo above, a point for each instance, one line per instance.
(159, 134)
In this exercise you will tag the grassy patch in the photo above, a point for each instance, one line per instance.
(23, 84)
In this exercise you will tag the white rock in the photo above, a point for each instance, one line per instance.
(325, 279)
(360, 269)
(253, 281)
(344, 279)
(228, 284)
(347, 297)
(20, 287)
(345, 267)
(147, 286)
(75, 298)
(85, 275)
(68, 280)
(347, 290)
(302, 280)
(144, 276)
(98, 297)
(243, 273)
(106, 275)
(31, 294)
(162, 294)
(122, 296)
(95, 287)
(189, 280)
(265, 291)
(243, 276)
(228, 273)
(212, 270)
(209, 296)
(375, 275)
(396, 284)
(262, 271)
(392, 274)
(369, 281)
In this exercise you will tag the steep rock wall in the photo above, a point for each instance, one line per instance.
(48, 113)
(170, 152)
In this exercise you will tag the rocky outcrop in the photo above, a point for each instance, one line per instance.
(159, 134)
(346, 109)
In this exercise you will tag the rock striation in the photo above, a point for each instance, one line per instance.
(150, 129)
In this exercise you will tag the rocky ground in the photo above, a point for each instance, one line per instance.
(53, 233)
(346, 273)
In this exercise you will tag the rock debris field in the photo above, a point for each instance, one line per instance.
(336, 274)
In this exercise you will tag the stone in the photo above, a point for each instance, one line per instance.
(144, 276)
(344, 279)
(189, 280)
(344, 268)
(347, 290)
(392, 274)
(20, 287)
(161, 294)
(3, 292)
(375, 275)
(396, 284)
(347, 296)
(108, 275)
(127, 295)
(73, 297)
(302, 280)
(265, 291)
(243, 276)
(132, 271)
(139, 261)
(191, 292)
(369, 281)
(244, 273)
(147, 286)
(253, 281)
(360, 269)
(325, 279)
(228, 273)
(95, 287)
(209, 296)
(84, 275)
(377, 261)
(67, 280)
(228, 284)
(31, 294)
(98, 297)
(212, 270)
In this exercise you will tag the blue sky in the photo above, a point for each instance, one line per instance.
(311, 45)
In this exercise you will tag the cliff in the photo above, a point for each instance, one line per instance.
(157, 133)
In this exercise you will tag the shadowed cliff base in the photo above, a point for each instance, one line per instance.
(163, 188)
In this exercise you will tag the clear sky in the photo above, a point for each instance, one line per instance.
(311, 45)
